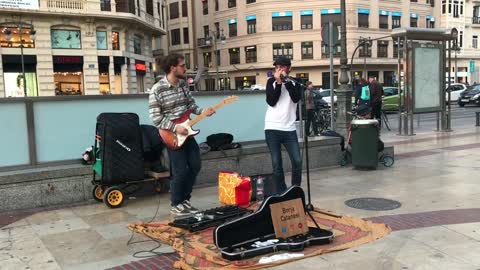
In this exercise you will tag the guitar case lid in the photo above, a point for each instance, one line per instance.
(255, 226)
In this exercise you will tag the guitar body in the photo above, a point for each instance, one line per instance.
(175, 141)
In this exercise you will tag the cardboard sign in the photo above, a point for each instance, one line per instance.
(289, 218)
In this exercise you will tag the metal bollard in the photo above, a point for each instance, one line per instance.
(477, 118)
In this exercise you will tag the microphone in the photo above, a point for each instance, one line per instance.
(286, 78)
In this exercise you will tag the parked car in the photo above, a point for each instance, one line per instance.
(325, 93)
(455, 90)
(390, 99)
(470, 96)
(319, 100)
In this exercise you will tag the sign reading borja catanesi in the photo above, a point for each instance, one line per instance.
(20, 4)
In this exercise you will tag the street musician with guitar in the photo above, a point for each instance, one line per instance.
(170, 102)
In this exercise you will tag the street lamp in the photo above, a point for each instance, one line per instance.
(8, 36)
(344, 93)
(214, 36)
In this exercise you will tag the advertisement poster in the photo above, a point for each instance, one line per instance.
(14, 84)
(20, 4)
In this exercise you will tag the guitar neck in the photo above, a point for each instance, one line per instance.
(203, 115)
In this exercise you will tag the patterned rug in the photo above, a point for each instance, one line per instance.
(197, 250)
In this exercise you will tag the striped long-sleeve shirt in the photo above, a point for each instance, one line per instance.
(168, 102)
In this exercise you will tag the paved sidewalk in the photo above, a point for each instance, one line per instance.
(435, 178)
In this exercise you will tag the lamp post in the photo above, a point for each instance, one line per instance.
(8, 36)
(344, 92)
(214, 35)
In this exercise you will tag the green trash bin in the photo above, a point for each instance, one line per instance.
(365, 143)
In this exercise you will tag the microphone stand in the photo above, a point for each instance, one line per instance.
(309, 205)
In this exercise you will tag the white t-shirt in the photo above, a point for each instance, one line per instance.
(282, 116)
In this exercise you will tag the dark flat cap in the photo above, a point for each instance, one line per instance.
(282, 60)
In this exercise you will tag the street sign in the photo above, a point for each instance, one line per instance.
(325, 34)
(472, 66)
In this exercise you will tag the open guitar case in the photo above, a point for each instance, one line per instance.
(238, 239)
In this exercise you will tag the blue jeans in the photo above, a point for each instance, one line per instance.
(275, 139)
(185, 164)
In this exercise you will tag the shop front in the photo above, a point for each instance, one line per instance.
(118, 62)
(15, 79)
(104, 74)
(68, 75)
(141, 70)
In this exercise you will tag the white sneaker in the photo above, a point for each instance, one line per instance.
(186, 204)
(179, 210)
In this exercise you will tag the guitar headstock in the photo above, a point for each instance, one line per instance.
(230, 99)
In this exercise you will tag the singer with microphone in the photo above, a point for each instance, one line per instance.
(283, 94)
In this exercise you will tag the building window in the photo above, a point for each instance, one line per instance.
(65, 39)
(186, 36)
(444, 6)
(306, 22)
(232, 29)
(105, 5)
(383, 22)
(115, 41)
(382, 48)
(187, 60)
(207, 59)
(206, 31)
(281, 23)
(234, 56)
(216, 5)
(251, 54)
(326, 51)
(307, 50)
(335, 18)
(102, 40)
(363, 20)
(173, 10)
(184, 9)
(14, 40)
(149, 7)
(251, 1)
(460, 39)
(457, 8)
(137, 44)
(138, 8)
(175, 34)
(251, 26)
(125, 6)
(395, 48)
(365, 50)
(244, 82)
(396, 22)
(430, 23)
(413, 22)
(232, 3)
(475, 42)
(217, 58)
(205, 7)
(282, 49)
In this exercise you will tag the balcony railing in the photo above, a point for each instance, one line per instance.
(204, 42)
(476, 20)
(66, 4)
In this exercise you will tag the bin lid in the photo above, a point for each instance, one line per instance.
(364, 122)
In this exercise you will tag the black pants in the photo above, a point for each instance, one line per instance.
(185, 165)
(311, 120)
(377, 113)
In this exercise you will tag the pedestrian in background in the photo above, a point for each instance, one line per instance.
(376, 93)
(310, 107)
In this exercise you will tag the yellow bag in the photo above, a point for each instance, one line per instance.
(233, 189)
